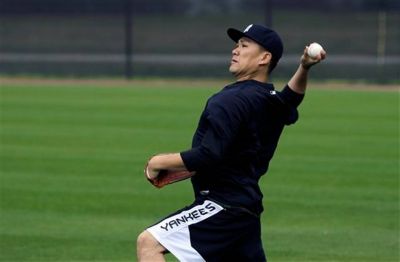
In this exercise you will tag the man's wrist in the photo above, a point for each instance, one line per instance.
(305, 67)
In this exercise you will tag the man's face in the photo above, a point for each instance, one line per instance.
(246, 58)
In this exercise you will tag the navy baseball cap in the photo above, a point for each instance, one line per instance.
(265, 37)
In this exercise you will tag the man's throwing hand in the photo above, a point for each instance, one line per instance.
(308, 61)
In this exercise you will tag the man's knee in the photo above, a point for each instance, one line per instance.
(144, 240)
(147, 243)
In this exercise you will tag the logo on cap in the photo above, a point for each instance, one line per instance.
(247, 28)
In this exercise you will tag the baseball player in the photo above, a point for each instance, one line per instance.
(236, 137)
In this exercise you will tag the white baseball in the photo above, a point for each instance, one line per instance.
(314, 50)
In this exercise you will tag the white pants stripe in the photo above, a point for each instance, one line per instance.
(173, 232)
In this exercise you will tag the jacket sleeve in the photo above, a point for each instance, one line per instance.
(225, 115)
(290, 97)
(290, 100)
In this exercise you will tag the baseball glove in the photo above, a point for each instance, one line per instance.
(166, 177)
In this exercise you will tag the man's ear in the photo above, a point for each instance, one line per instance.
(265, 58)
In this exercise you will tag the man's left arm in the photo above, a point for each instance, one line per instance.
(224, 118)
(171, 161)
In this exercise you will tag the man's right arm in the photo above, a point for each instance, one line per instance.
(298, 82)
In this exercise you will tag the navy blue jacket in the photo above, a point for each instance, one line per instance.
(236, 138)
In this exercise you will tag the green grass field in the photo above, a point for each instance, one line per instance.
(72, 156)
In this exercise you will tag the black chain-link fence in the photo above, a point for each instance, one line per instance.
(180, 38)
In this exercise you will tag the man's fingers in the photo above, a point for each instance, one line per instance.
(146, 172)
(323, 54)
